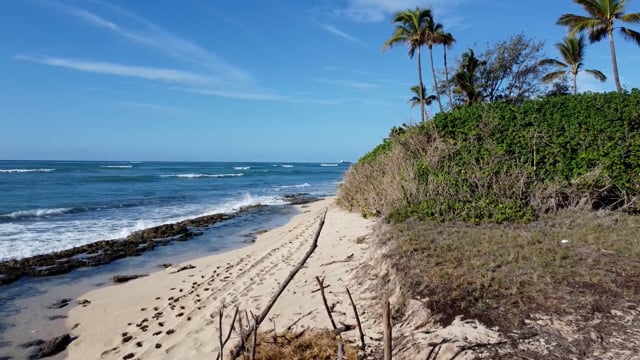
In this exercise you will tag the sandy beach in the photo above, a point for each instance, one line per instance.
(172, 314)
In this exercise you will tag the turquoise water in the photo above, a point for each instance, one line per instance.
(48, 206)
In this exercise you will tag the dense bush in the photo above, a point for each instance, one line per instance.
(499, 162)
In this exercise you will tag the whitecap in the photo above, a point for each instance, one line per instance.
(116, 166)
(242, 168)
(35, 213)
(196, 176)
(328, 165)
(11, 171)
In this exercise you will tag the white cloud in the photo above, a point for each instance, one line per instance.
(381, 10)
(360, 85)
(237, 95)
(144, 32)
(333, 30)
(148, 73)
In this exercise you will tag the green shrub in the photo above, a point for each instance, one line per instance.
(505, 163)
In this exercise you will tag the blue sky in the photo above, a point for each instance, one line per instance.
(287, 80)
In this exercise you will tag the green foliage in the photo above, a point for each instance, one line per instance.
(507, 163)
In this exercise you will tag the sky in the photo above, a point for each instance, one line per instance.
(204, 80)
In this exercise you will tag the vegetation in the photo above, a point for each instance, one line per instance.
(572, 52)
(410, 30)
(600, 22)
(505, 163)
(512, 70)
(420, 97)
(572, 263)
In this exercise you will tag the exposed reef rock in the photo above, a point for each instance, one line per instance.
(106, 251)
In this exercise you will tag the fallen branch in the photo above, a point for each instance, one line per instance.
(290, 327)
(355, 312)
(324, 300)
(235, 353)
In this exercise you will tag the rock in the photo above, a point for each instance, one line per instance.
(105, 251)
(32, 343)
(56, 317)
(59, 304)
(119, 279)
(52, 347)
(83, 302)
(174, 270)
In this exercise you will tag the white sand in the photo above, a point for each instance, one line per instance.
(186, 327)
(174, 315)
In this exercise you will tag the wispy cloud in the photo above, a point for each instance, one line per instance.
(360, 85)
(144, 32)
(335, 31)
(237, 95)
(380, 10)
(148, 73)
(154, 108)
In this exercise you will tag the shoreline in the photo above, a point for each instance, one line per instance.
(106, 251)
(26, 316)
(168, 314)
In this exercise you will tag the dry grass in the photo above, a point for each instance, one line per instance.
(501, 274)
(308, 345)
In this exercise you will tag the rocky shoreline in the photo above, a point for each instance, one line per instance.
(106, 251)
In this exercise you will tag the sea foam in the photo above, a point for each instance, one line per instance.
(116, 166)
(35, 213)
(196, 176)
(11, 171)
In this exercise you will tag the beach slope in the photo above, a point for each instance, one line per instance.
(173, 314)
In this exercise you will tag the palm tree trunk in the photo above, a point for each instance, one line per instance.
(421, 95)
(446, 76)
(575, 83)
(615, 62)
(435, 80)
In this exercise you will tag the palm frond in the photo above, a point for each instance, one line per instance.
(631, 35)
(552, 62)
(631, 18)
(554, 76)
(597, 74)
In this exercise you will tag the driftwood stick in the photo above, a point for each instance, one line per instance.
(233, 322)
(324, 300)
(290, 327)
(340, 351)
(220, 313)
(386, 323)
(355, 312)
(238, 349)
(255, 337)
(316, 290)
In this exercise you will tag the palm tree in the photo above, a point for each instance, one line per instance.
(410, 30)
(420, 97)
(599, 23)
(572, 52)
(433, 36)
(447, 40)
(465, 79)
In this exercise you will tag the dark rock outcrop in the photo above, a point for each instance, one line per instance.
(52, 347)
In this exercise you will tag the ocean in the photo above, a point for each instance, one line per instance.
(47, 206)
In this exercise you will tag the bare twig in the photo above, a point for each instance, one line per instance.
(238, 349)
(316, 290)
(324, 300)
(355, 312)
